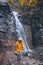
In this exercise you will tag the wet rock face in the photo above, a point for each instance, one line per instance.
(3, 21)
(37, 26)
(7, 35)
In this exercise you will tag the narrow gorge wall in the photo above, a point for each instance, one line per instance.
(28, 33)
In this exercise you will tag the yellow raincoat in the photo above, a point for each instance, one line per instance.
(19, 46)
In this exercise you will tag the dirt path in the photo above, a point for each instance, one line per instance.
(9, 58)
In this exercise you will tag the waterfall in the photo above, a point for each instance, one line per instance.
(20, 32)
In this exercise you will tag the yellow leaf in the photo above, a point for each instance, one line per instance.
(22, 2)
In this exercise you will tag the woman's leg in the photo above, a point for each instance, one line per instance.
(19, 56)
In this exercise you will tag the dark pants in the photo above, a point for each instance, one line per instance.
(18, 56)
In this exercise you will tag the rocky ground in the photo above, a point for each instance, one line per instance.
(9, 58)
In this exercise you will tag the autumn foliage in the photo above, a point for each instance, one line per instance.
(28, 2)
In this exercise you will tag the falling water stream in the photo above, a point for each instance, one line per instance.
(20, 32)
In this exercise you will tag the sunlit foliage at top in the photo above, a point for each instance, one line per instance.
(28, 2)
